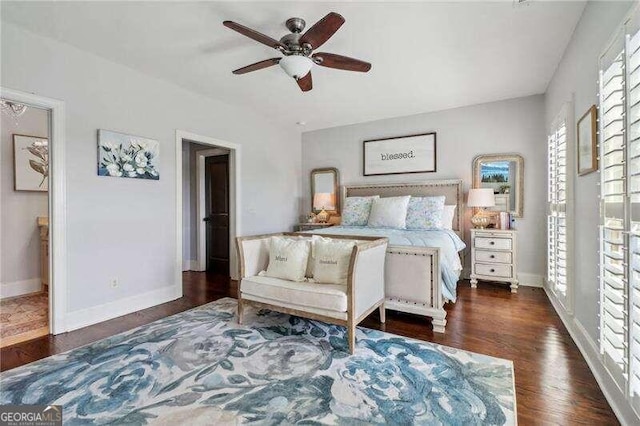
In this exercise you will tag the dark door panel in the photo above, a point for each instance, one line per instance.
(217, 213)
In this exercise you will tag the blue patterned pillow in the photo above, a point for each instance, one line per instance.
(356, 210)
(425, 213)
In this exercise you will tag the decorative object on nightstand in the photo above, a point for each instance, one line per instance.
(481, 198)
(493, 257)
(311, 226)
(323, 201)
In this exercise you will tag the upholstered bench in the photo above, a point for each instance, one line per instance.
(342, 304)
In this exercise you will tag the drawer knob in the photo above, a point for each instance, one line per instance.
(493, 270)
(492, 242)
(493, 256)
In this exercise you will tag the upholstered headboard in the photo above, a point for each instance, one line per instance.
(451, 189)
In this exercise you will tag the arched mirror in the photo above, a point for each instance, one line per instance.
(324, 191)
(504, 173)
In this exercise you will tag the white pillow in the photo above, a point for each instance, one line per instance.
(288, 258)
(389, 212)
(447, 216)
(331, 260)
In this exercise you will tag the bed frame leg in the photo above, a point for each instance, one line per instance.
(383, 312)
(439, 322)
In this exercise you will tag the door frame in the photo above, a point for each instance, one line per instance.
(58, 289)
(235, 196)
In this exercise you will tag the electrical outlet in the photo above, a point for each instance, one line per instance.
(114, 283)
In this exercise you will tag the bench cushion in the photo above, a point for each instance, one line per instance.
(332, 297)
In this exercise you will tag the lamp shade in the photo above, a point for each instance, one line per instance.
(296, 66)
(481, 197)
(323, 201)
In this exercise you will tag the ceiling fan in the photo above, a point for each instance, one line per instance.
(298, 49)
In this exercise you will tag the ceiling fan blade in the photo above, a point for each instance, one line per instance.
(305, 82)
(322, 30)
(340, 62)
(257, 66)
(253, 34)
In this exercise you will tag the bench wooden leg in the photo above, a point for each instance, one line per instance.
(383, 316)
(240, 311)
(351, 337)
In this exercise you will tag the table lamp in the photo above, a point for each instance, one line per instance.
(481, 198)
(322, 201)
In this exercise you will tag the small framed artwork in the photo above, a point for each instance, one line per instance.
(399, 155)
(121, 155)
(30, 163)
(587, 150)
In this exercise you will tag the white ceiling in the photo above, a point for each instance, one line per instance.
(425, 56)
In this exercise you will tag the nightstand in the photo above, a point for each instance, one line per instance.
(311, 226)
(493, 257)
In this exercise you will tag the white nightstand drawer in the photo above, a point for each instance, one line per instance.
(493, 243)
(493, 256)
(493, 270)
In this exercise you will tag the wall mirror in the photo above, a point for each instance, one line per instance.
(324, 190)
(504, 173)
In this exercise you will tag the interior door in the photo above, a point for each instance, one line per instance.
(217, 213)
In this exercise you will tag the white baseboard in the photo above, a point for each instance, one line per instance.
(191, 265)
(18, 288)
(525, 279)
(95, 314)
(530, 280)
(589, 350)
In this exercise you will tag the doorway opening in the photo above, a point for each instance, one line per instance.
(208, 213)
(24, 222)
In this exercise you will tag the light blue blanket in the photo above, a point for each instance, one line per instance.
(448, 242)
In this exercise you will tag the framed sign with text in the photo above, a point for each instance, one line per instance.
(399, 155)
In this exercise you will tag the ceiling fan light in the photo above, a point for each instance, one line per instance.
(296, 66)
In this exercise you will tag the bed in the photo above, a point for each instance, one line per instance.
(422, 267)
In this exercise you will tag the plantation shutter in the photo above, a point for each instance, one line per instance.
(614, 274)
(557, 206)
(633, 151)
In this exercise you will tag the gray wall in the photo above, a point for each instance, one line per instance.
(576, 79)
(126, 228)
(515, 125)
(19, 234)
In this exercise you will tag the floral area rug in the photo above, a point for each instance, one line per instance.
(201, 367)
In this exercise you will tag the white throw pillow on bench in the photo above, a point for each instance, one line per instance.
(288, 258)
(331, 258)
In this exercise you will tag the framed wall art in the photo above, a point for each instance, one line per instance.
(399, 155)
(30, 163)
(587, 143)
(122, 155)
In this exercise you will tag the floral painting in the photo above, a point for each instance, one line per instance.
(121, 155)
(31, 163)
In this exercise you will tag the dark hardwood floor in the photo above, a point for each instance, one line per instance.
(553, 382)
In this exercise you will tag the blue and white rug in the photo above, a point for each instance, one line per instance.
(201, 367)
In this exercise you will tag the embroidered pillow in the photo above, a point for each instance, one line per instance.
(425, 212)
(331, 260)
(389, 212)
(288, 258)
(447, 216)
(356, 210)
